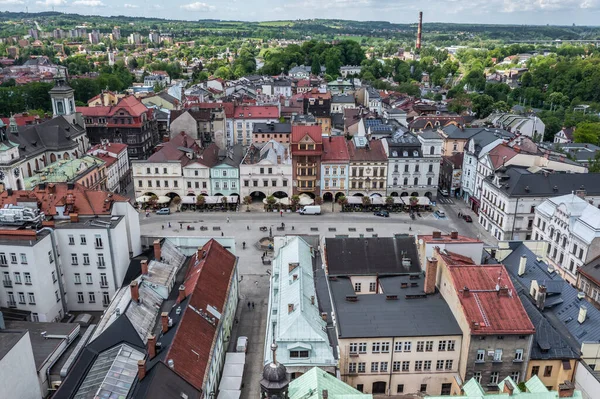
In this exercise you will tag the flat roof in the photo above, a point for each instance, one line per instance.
(8, 339)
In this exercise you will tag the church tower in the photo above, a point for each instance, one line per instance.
(10, 172)
(63, 97)
(274, 383)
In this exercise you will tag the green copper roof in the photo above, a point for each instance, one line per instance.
(311, 384)
(535, 390)
(63, 171)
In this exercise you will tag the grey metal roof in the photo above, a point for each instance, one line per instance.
(373, 315)
(259, 128)
(343, 98)
(563, 315)
(519, 182)
(430, 134)
(370, 256)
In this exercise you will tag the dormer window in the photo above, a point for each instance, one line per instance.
(404, 153)
(415, 153)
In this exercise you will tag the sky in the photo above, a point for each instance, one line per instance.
(530, 12)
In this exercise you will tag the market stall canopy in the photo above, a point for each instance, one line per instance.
(306, 200)
(163, 199)
(422, 201)
(188, 200)
(143, 198)
(284, 201)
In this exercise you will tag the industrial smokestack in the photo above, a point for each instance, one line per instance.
(419, 30)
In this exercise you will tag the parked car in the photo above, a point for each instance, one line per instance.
(242, 344)
(468, 218)
(384, 214)
(163, 211)
(444, 192)
(440, 214)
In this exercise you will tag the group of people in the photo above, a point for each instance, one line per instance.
(250, 305)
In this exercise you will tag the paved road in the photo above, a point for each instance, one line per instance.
(254, 286)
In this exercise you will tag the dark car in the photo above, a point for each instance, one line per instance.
(384, 214)
(467, 218)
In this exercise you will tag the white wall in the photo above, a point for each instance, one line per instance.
(586, 382)
(132, 224)
(18, 378)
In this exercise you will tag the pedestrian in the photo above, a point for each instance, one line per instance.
(227, 219)
(222, 234)
(281, 213)
(181, 226)
(249, 304)
(252, 305)
(163, 226)
(248, 227)
(169, 224)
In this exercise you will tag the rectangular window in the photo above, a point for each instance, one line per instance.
(91, 297)
(74, 260)
(449, 364)
(498, 355)
(383, 367)
(104, 282)
(86, 259)
(480, 356)
(101, 263)
(374, 367)
(423, 388)
(519, 355)
(376, 347)
(80, 297)
(406, 365)
(548, 371)
(23, 259)
(385, 347)
(353, 347)
(439, 365)
(361, 367)
(451, 345)
(71, 239)
(427, 365)
(77, 278)
(372, 287)
(420, 346)
(400, 388)
(105, 298)
(352, 368)
(83, 239)
(398, 346)
(98, 241)
(88, 278)
(27, 277)
(21, 297)
(357, 287)
(31, 298)
(535, 370)
(35, 317)
(418, 365)
(17, 278)
(362, 347)
(429, 346)
(407, 346)
(494, 377)
(477, 376)
(50, 257)
(515, 376)
(396, 366)
(442, 346)
(298, 354)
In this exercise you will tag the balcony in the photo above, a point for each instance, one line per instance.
(306, 177)
(7, 283)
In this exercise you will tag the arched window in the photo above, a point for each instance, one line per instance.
(395, 181)
(416, 181)
(429, 181)
(432, 150)
(406, 181)
(60, 108)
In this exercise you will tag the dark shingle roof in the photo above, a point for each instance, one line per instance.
(373, 315)
(370, 256)
(272, 128)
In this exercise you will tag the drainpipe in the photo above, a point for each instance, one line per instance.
(56, 267)
(112, 259)
(391, 364)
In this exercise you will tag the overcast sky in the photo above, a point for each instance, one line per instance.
(539, 12)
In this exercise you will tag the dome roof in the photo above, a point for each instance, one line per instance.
(274, 373)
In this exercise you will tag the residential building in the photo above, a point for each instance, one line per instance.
(156, 81)
(334, 168)
(266, 170)
(88, 171)
(314, 382)
(244, 118)
(18, 367)
(379, 128)
(368, 167)
(451, 173)
(372, 100)
(430, 119)
(88, 227)
(317, 102)
(497, 332)
(564, 136)
(509, 388)
(582, 153)
(397, 114)
(341, 86)
(129, 122)
(562, 306)
(265, 132)
(27, 149)
(588, 281)
(531, 126)
(350, 70)
(225, 173)
(372, 296)
(94, 36)
(116, 161)
(510, 197)
(405, 165)
(453, 242)
(134, 38)
(294, 322)
(306, 149)
(180, 168)
(571, 227)
(456, 137)
(340, 102)
(205, 125)
(162, 100)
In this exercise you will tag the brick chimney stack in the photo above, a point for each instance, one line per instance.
(144, 266)
(430, 275)
(157, 254)
(135, 291)
(151, 346)
(164, 320)
(181, 294)
(141, 369)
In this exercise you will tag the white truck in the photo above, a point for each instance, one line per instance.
(311, 210)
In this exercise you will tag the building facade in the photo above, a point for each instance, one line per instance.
(307, 149)
(334, 168)
(225, 174)
(244, 118)
(266, 170)
(368, 167)
(117, 169)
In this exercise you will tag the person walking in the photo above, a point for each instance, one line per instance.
(281, 213)
(227, 219)
(249, 304)
(252, 305)
(180, 226)
(163, 226)
(169, 224)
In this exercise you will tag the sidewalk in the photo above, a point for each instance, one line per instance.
(478, 230)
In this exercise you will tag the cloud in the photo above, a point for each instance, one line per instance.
(89, 3)
(157, 6)
(127, 5)
(10, 2)
(52, 3)
(198, 6)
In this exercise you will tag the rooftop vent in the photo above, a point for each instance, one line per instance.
(391, 297)
(351, 298)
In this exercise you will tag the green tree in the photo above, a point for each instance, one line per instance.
(315, 68)
(483, 105)
(587, 132)
(594, 165)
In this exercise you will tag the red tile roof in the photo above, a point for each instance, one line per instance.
(170, 151)
(445, 238)
(22, 120)
(335, 149)
(375, 153)
(228, 107)
(452, 258)
(315, 133)
(495, 312)
(79, 200)
(497, 155)
(116, 148)
(129, 104)
(208, 282)
(256, 112)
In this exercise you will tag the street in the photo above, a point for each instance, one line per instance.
(254, 285)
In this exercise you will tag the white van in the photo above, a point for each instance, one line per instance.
(311, 210)
(242, 344)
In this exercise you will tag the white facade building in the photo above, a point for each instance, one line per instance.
(267, 169)
(571, 227)
(117, 164)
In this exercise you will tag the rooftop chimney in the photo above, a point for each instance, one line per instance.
(141, 369)
(157, 250)
(582, 314)
(475, 325)
(135, 291)
(144, 265)
(290, 307)
(466, 292)
(454, 235)
(430, 275)
(522, 264)
(508, 387)
(541, 297)
(74, 217)
(503, 291)
(151, 346)
(181, 294)
(566, 389)
(164, 319)
(437, 234)
(325, 394)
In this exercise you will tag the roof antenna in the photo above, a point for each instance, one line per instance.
(274, 346)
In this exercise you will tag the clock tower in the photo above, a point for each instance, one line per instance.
(63, 97)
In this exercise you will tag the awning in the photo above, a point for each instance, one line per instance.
(306, 200)
(143, 198)
(188, 200)
(163, 199)
(422, 201)
(284, 201)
